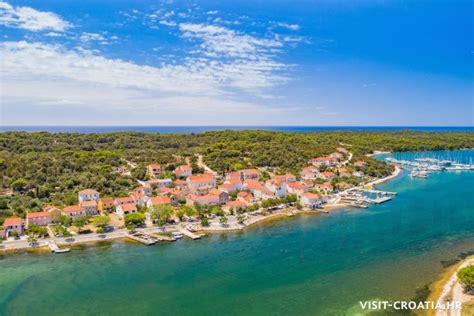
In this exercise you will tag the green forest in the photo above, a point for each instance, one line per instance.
(43, 168)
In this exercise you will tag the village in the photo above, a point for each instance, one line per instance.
(190, 204)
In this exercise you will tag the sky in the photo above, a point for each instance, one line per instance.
(310, 63)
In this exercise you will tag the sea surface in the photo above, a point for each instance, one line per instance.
(305, 265)
(200, 129)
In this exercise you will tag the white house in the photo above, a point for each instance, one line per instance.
(88, 195)
(207, 199)
(159, 183)
(197, 182)
(257, 189)
(277, 187)
(311, 200)
(183, 171)
(124, 209)
(296, 188)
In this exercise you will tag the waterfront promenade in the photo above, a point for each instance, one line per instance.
(214, 225)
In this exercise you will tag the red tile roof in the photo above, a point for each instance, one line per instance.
(249, 171)
(124, 200)
(311, 196)
(157, 200)
(227, 186)
(88, 203)
(202, 178)
(237, 204)
(322, 158)
(245, 195)
(205, 197)
(73, 208)
(128, 207)
(215, 191)
(296, 185)
(37, 214)
(284, 177)
(88, 191)
(106, 200)
(183, 168)
(324, 185)
(328, 174)
(12, 221)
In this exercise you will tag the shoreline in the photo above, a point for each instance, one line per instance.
(443, 289)
(122, 234)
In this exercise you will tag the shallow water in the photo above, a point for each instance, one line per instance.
(304, 265)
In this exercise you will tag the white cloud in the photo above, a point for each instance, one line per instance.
(223, 42)
(293, 27)
(92, 37)
(227, 69)
(167, 23)
(212, 12)
(54, 34)
(37, 60)
(30, 19)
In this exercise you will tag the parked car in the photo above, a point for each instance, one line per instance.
(108, 229)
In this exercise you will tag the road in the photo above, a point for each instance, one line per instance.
(201, 164)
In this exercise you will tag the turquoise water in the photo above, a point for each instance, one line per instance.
(304, 265)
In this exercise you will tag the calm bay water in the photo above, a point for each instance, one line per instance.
(305, 265)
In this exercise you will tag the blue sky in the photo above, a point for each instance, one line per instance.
(236, 63)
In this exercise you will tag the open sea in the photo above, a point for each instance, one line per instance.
(200, 129)
(304, 265)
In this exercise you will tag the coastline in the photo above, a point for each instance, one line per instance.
(123, 234)
(447, 288)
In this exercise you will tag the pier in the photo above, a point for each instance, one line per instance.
(381, 200)
(189, 234)
(379, 192)
(144, 238)
(163, 237)
(55, 248)
(359, 201)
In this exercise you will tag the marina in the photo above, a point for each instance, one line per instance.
(359, 197)
(422, 167)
